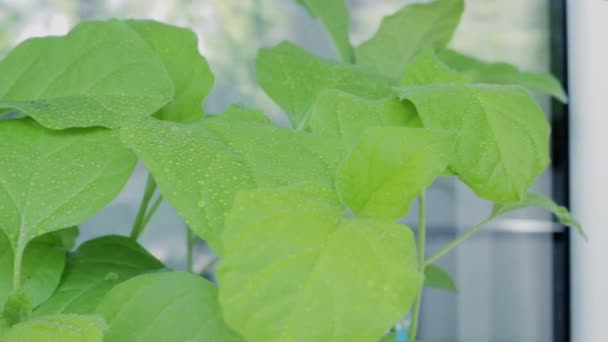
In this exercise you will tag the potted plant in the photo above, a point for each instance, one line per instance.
(305, 219)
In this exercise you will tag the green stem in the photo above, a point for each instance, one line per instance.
(151, 211)
(457, 241)
(138, 227)
(17, 262)
(190, 241)
(421, 247)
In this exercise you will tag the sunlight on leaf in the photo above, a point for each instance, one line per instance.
(297, 268)
(390, 167)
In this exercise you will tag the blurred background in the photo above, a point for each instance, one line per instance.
(512, 277)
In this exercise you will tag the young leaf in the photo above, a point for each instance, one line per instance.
(402, 35)
(58, 328)
(390, 167)
(333, 14)
(55, 179)
(345, 116)
(426, 68)
(503, 73)
(199, 167)
(502, 135)
(41, 270)
(100, 74)
(192, 79)
(436, 277)
(165, 307)
(96, 267)
(293, 78)
(296, 268)
(540, 201)
(238, 112)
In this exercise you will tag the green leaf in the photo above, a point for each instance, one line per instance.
(64, 238)
(402, 35)
(427, 68)
(503, 73)
(96, 267)
(293, 78)
(390, 167)
(296, 268)
(540, 201)
(502, 135)
(41, 270)
(165, 307)
(345, 116)
(55, 179)
(199, 167)
(100, 74)
(333, 14)
(58, 328)
(238, 112)
(192, 79)
(436, 277)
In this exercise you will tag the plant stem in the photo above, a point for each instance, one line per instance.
(138, 225)
(17, 261)
(190, 240)
(457, 241)
(421, 264)
(151, 211)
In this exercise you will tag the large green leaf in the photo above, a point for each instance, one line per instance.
(55, 179)
(503, 73)
(165, 307)
(192, 79)
(390, 167)
(199, 167)
(438, 278)
(402, 35)
(293, 78)
(333, 14)
(503, 137)
(540, 201)
(346, 117)
(96, 267)
(100, 74)
(43, 264)
(58, 328)
(296, 268)
(427, 68)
